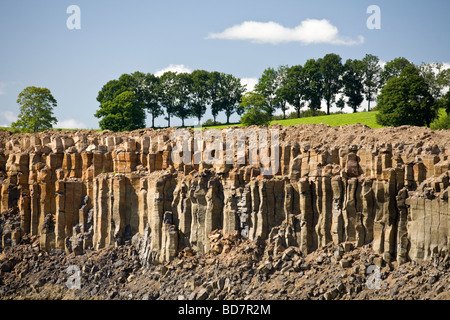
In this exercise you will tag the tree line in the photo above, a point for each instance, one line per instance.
(123, 102)
(184, 95)
(405, 94)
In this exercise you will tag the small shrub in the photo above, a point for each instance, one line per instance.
(443, 123)
(255, 116)
(211, 122)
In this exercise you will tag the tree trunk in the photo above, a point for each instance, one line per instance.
(214, 117)
(153, 121)
(182, 122)
(298, 112)
(328, 107)
(168, 120)
(228, 118)
(368, 106)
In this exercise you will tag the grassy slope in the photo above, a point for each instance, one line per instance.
(367, 118)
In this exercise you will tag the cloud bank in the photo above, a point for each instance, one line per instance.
(9, 116)
(70, 124)
(178, 68)
(310, 31)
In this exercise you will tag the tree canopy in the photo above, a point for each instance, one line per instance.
(406, 100)
(328, 79)
(255, 106)
(36, 110)
(331, 68)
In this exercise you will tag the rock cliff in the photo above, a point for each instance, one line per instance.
(87, 190)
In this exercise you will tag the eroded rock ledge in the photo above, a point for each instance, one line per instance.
(81, 190)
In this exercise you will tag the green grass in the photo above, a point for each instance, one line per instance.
(367, 118)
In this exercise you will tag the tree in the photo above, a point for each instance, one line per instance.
(183, 101)
(372, 74)
(36, 110)
(200, 95)
(147, 90)
(331, 68)
(294, 89)
(393, 69)
(353, 83)
(230, 95)
(281, 81)
(168, 93)
(406, 100)
(266, 87)
(215, 83)
(121, 104)
(123, 113)
(313, 90)
(436, 77)
(255, 106)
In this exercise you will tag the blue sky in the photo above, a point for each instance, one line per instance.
(116, 37)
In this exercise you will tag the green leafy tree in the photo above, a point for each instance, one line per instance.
(183, 101)
(331, 68)
(232, 91)
(255, 106)
(131, 114)
(215, 83)
(372, 74)
(123, 113)
(436, 77)
(353, 83)
(281, 82)
(225, 94)
(406, 100)
(267, 87)
(168, 93)
(295, 88)
(313, 90)
(393, 69)
(200, 94)
(147, 90)
(36, 110)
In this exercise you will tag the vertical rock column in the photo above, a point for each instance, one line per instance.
(337, 222)
(306, 216)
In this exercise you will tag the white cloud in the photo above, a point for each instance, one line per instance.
(309, 31)
(9, 116)
(70, 124)
(250, 82)
(178, 68)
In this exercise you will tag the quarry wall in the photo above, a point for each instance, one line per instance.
(88, 190)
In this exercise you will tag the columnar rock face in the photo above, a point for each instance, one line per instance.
(87, 190)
